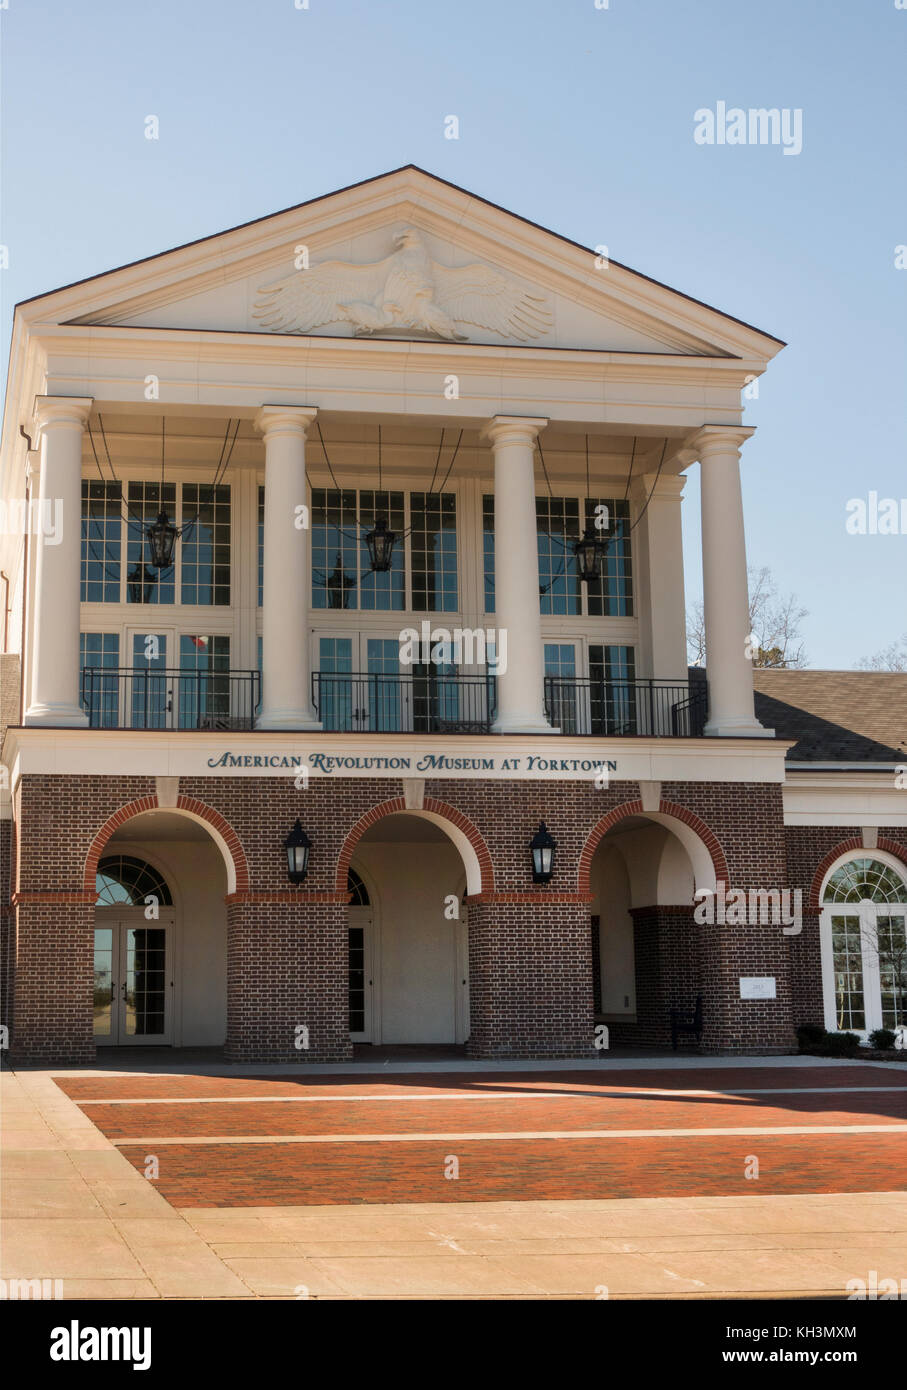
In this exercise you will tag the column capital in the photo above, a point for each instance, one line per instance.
(285, 419)
(513, 429)
(668, 485)
(720, 438)
(69, 411)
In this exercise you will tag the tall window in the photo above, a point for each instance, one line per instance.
(206, 546)
(864, 945)
(433, 518)
(144, 584)
(560, 521)
(100, 688)
(341, 577)
(114, 524)
(102, 525)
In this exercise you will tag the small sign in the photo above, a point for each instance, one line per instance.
(757, 987)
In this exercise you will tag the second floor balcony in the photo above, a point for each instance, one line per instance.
(415, 702)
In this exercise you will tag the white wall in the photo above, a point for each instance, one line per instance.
(417, 945)
(611, 886)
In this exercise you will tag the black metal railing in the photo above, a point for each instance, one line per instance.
(396, 703)
(590, 707)
(124, 697)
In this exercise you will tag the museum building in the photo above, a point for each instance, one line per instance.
(405, 748)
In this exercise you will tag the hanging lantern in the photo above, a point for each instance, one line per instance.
(297, 845)
(141, 581)
(380, 542)
(162, 536)
(542, 846)
(590, 553)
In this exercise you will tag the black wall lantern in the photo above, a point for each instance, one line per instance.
(380, 542)
(297, 845)
(542, 845)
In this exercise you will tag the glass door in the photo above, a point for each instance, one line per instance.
(151, 694)
(359, 685)
(132, 985)
(361, 990)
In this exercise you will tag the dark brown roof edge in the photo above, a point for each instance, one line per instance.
(375, 178)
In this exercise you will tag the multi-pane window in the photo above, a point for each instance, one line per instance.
(100, 688)
(612, 691)
(341, 577)
(848, 969)
(335, 548)
(206, 545)
(386, 591)
(102, 512)
(114, 523)
(433, 518)
(611, 596)
(865, 927)
(204, 679)
(560, 521)
(261, 545)
(891, 947)
(144, 584)
(488, 550)
(557, 526)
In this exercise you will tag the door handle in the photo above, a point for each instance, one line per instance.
(123, 996)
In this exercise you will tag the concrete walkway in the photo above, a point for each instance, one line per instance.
(75, 1209)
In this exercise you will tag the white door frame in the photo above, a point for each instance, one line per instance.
(119, 919)
(867, 912)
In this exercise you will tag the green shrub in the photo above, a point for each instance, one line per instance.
(810, 1035)
(842, 1044)
(882, 1038)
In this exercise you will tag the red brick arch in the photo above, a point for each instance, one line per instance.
(197, 809)
(634, 808)
(851, 846)
(397, 805)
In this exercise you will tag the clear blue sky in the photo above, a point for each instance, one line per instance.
(579, 118)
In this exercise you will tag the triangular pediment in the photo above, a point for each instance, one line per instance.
(404, 256)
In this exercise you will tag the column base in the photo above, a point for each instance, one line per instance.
(729, 728)
(519, 724)
(290, 721)
(57, 716)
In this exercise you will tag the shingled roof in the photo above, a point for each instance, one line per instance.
(836, 716)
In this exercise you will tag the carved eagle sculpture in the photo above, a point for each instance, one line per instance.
(407, 290)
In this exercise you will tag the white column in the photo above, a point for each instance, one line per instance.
(520, 687)
(658, 577)
(60, 424)
(725, 598)
(286, 701)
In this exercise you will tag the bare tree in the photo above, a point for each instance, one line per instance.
(893, 658)
(775, 621)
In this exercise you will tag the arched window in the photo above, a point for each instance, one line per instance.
(358, 889)
(864, 945)
(122, 881)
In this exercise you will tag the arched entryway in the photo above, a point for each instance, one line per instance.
(642, 870)
(408, 934)
(160, 939)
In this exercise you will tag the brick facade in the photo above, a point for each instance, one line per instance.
(530, 966)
